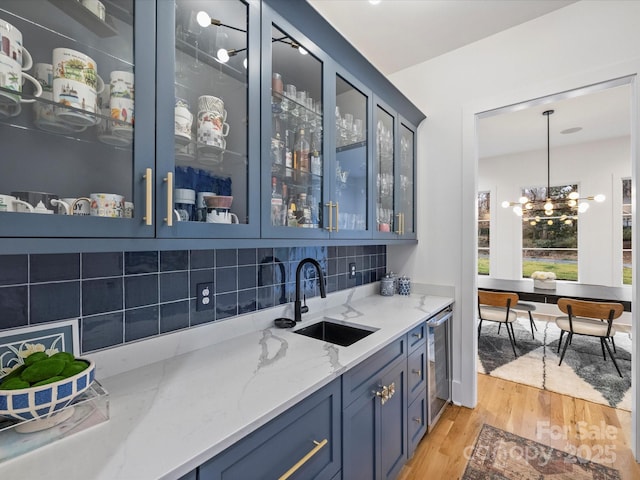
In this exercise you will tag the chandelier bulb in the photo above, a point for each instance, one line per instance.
(574, 195)
(517, 210)
(523, 200)
(583, 207)
(600, 198)
(548, 212)
(568, 222)
(506, 204)
(549, 222)
(537, 218)
(572, 203)
(223, 55)
(529, 206)
(532, 223)
(548, 205)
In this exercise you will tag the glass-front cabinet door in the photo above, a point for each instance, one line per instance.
(405, 181)
(208, 104)
(293, 153)
(387, 223)
(77, 119)
(351, 177)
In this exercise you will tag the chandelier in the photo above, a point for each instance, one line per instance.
(563, 207)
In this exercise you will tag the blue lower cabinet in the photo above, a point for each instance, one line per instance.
(302, 443)
(416, 421)
(374, 426)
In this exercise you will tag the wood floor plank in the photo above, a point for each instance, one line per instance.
(596, 431)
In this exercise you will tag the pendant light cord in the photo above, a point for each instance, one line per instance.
(547, 113)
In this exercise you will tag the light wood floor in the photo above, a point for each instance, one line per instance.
(536, 414)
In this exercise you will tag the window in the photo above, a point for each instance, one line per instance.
(484, 220)
(550, 243)
(626, 231)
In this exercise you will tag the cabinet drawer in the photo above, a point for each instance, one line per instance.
(272, 450)
(416, 373)
(416, 337)
(417, 421)
(363, 377)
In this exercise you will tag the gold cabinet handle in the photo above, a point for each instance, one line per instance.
(392, 390)
(305, 459)
(417, 419)
(148, 193)
(417, 372)
(329, 206)
(337, 216)
(169, 180)
(417, 335)
(403, 224)
(383, 394)
(399, 231)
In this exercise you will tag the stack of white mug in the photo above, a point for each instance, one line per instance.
(15, 60)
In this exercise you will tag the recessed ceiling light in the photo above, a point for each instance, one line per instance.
(571, 130)
(374, 2)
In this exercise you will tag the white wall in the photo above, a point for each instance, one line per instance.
(582, 44)
(596, 167)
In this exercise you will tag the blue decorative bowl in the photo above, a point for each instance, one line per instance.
(46, 400)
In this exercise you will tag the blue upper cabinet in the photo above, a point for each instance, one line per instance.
(208, 84)
(295, 87)
(77, 121)
(195, 119)
(395, 167)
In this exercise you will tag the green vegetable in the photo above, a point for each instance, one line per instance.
(13, 373)
(14, 384)
(35, 357)
(73, 368)
(48, 380)
(66, 356)
(42, 370)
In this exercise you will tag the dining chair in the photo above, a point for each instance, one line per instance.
(498, 307)
(593, 319)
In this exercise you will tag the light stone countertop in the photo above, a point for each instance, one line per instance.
(170, 416)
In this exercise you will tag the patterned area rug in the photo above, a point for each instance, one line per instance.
(583, 373)
(500, 455)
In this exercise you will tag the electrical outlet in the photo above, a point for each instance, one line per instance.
(352, 270)
(205, 296)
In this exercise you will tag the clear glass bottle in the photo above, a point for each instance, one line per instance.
(301, 153)
(276, 202)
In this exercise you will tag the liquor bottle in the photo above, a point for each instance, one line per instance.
(316, 160)
(285, 206)
(300, 157)
(276, 145)
(288, 154)
(276, 203)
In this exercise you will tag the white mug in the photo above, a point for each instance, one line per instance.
(77, 206)
(63, 207)
(105, 127)
(183, 121)
(11, 46)
(224, 216)
(44, 112)
(128, 210)
(11, 78)
(107, 205)
(8, 204)
(76, 84)
(122, 115)
(96, 7)
(122, 84)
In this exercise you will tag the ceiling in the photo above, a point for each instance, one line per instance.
(601, 114)
(396, 34)
(402, 33)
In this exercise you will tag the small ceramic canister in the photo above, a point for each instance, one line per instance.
(387, 286)
(404, 286)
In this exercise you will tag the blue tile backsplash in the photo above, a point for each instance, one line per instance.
(123, 297)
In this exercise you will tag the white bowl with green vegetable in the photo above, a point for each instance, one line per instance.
(43, 385)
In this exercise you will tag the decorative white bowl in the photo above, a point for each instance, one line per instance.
(548, 284)
(45, 400)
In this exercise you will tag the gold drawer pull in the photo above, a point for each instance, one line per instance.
(337, 215)
(417, 335)
(399, 230)
(148, 196)
(305, 459)
(417, 419)
(169, 181)
(330, 208)
(386, 393)
(417, 372)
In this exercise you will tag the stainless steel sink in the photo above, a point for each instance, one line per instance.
(341, 334)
